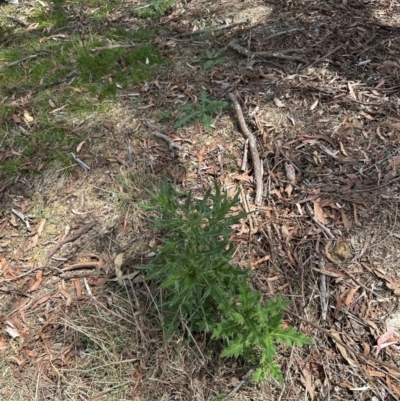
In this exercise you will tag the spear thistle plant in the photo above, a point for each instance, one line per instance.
(200, 287)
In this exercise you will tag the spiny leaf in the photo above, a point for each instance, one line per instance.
(199, 286)
(234, 349)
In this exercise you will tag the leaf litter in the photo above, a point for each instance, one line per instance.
(318, 87)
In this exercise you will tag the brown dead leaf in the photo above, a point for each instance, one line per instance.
(67, 296)
(32, 354)
(350, 295)
(341, 349)
(20, 362)
(109, 125)
(3, 344)
(319, 213)
(79, 147)
(289, 190)
(60, 36)
(40, 228)
(393, 163)
(119, 259)
(38, 281)
(290, 173)
(99, 281)
(27, 117)
(357, 123)
(11, 330)
(16, 118)
(278, 103)
(213, 170)
(342, 149)
(243, 177)
(351, 91)
(34, 242)
(5, 266)
(261, 260)
(201, 155)
(366, 348)
(308, 383)
(40, 301)
(345, 220)
(78, 288)
(393, 285)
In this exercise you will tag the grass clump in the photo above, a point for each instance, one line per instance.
(202, 291)
(70, 78)
(116, 66)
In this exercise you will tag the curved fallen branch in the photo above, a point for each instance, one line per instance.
(218, 28)
(71, 238)
(273, 54)
(258, 176)
(166, 138)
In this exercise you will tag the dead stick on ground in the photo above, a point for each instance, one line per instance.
(171, 143)
(83, 265)
(282, 33)
(17, 20)
(278, 55)
(327, 55)
(218, 28)
(71, 238)
(96, 49)
(237, 388)
(369, 359)
(320, 225)
(245, 151)
(21, 60)
(253, 148)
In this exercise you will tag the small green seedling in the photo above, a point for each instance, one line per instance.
(201, 111)
(214, 58)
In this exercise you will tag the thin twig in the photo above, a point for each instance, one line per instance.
(324, 288)
(171, 143)
(320, 225)
(247, 209)
(278, 55)
(71, 238)
(218, 28)
(244, 159)
(17, 20)
(84, 265)
(327, 55)
(369, 359)
(23, 274)
(282, 33)
(95, 49)
(21, 60)
(253, 148)
(240, 384)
